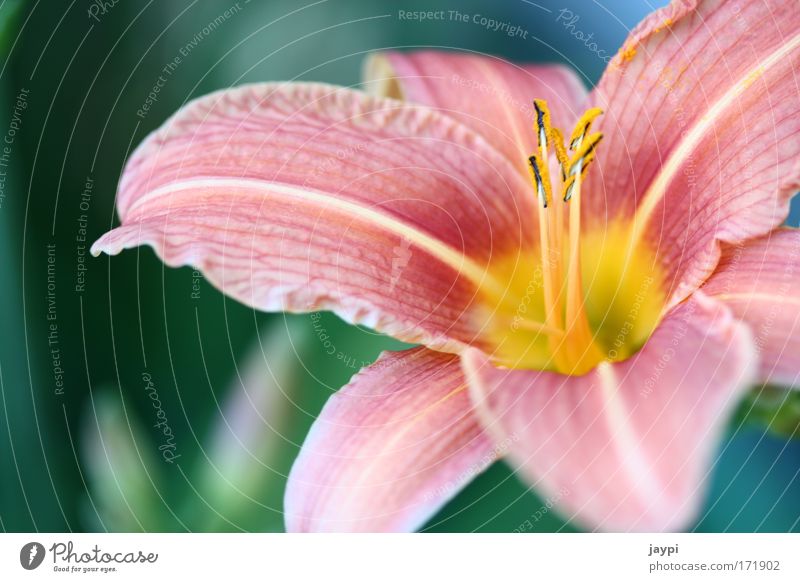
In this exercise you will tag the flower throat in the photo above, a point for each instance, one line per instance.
(582, 297)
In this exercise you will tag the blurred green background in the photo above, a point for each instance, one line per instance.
(84, 455)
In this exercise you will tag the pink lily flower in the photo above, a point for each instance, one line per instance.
(591, 310)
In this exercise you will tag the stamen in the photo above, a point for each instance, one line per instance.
(549, 224)
(585, 150)
(582, 127)
(583, 156)
(569, 188)
(566, 325)
(544, 130)
(538, 327)
(561, 151)
(542, 121)
(584, 147)
(542, 189)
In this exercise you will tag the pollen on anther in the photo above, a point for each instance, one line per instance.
(561, 152)
(585, 152)
(583, 126)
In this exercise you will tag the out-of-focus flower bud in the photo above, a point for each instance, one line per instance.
(121, 469)
(241, 475)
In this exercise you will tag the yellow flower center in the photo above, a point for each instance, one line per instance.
(581, 297)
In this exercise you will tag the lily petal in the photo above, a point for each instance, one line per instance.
(492, 96)
(300, 197)
(701, 124)
(760, 282)
(627, 446)
(388, 449)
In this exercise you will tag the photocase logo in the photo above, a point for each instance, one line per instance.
(31, 555)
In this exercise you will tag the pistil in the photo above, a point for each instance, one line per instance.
(549, 229)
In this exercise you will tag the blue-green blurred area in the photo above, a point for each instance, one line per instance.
(88, 345)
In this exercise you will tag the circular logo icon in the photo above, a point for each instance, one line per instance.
(31, 555)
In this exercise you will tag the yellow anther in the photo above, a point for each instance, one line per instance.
(568, 187)
(561, 151)
(589, 157)
(584, 153)
(583, 125)
(539, 163)
(581, 159)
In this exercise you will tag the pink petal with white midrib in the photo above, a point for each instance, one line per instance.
(701, 117)
(760, 282)
(491, 95)
(304, 196)
(389, 449)
(409, 162)
(628, 446)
